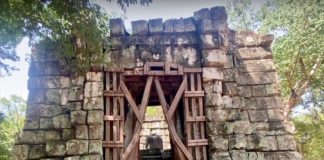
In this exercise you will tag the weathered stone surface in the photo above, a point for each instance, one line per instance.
(178, 25)
(218, 13)
(21, 152)
(93, 89)
(62, 121)
(78, 117)
(77, 80)
(263, 65)
(261, 142)
(93, 103)
(72, 158)
(75, 93)
(189, 24)
(214, 58)
(45, 82)
(96, 132)
(256, 53)
(213, 100)
(95, 147)
(46, 123)
(77, 147)
(257, 78)
(68, 134)
(155, 26)
(202, 14)
(91, 157)
(286, 142)
(116, 27)
(139, 28)
(36, 96)
(239, 155)
(230, 89)
(229, 61)
(81, 132)
(211, 41)
(238, 102)
(230, 75)
(276, 114)
(258, 115)
(212, 73)
(50, 110)
(242, 127)
(73, 106)
(219, 143)
(244, 91)
(220, 156)
(220, 26)
(32, 137)
(55, 148)
(95, 117)
(205, 26)
(187, 57)
(251, 39)
(56, 96)
(237, 141)
(37, 151)
(31, 123)
(168, 26)
(283, 155)
(258, 91)
(52, 135)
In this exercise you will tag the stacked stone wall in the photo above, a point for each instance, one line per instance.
(245, 119)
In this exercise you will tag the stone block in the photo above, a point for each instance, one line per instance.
(258, 91)
(230, 75)
(239, 155)
(46, 123)
(273, 89)
(78, 117)
(237, 141)
(62, 121)
(269, 102)
(187, 57)
(139, 28)
(276, 114)
(116, 27)
(72, 158)
(94, 76)
(55, 148)
(77, 80)
(178, 25)
(251, 39)
(155, 26)
(77, 147)
(202, 14)
(214, 58)
(81, 132)
(93, 89)
(229, 62)
(211, 41)
(51, 135)
(205, 26)
(218, 13)
(68, 134)
(219, 143)
(261, 142)
(168, 26)
(76, 93)
(37, 152)
(189, 24)
(286, 143)
(56, 96)
(32, 137)
(257, 78)
(95, 117)
(36, 96)
(93, 103)
(255, 53)
(96, 132)
(44, 82)
(238, 102)
(258, 115)
(213, 100)
(220, 26)
(91, 157)
(227, 102)
(73, 106)
(242, 127)
(230, 89)
(283, 155)
(95, 147)
(262, 65)
(49, 110)
(36, 69)
(127, 57)
(211, 74)
(31, 123)
(244, 91)
(21, 152)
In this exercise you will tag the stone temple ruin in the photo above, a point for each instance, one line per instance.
(218, 89)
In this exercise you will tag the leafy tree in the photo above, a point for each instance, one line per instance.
(76, 28)
(299, 44)
(12, 116)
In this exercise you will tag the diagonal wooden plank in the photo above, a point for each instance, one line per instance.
(130, 99)
(172, 129)
(177, 97)
(138, 127)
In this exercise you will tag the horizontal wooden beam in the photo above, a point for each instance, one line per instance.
(110, 93)
(194, 94)
(197, 142)
(112, 144)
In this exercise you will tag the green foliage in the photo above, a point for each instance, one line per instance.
(74, 28)
(153, 111)
(310, 135)
(12, 116)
